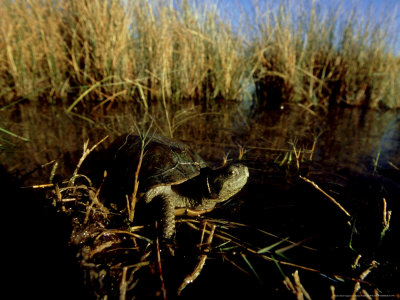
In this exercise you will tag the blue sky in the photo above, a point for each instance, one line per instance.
(365, 7)
(378, 6)
(374, 11)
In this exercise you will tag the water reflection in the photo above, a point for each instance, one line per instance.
(354, 161)
(347, 136)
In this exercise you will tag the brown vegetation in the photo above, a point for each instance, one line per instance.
(96, 53)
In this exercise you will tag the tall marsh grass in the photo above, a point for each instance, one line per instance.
(94, 53)
(306, 54)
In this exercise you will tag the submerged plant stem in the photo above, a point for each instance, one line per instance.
(199, 267)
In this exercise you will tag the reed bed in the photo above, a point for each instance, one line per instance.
(328, 57)
(96, 53)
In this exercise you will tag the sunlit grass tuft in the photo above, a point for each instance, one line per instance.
(108, 51)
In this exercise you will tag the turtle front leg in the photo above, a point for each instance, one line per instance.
(167, 217)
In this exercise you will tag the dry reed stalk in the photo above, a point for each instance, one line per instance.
(333, 294)
(297, 288)
(123, 284)
(357, 286)
(193, 51)
(85, 153)
(163, 289)
(326, 194)
(385, 219)
(132, 199)
(320, 56)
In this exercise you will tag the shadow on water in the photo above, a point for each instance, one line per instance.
(279, 222)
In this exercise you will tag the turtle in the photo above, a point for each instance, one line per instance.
(171, 173)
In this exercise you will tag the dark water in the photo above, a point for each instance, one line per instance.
(356, 161)
(352, 155)
(348, 135)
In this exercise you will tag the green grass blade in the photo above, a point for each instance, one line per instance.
(251, 267)
(14, 135)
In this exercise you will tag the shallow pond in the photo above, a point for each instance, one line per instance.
(322, 200)
(327, 182)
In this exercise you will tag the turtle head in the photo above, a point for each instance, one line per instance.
(224, 182)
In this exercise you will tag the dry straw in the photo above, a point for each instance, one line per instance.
(101, 52)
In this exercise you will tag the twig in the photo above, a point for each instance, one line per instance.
(313, 147)
(357, 286)
(356, 262)
(85, 153)
(202, 232)
(299, 287)
(326, 194)
(40, 186)
(197, 270)
(133, 199)
(296, 152)
(163, 289)
(386, 218)
(393, 166)
(123, 285)
(240, 243)
(94, 201)
(235, 265)
(333, 295)
(53, 171)
(130, 233)
(242, 151)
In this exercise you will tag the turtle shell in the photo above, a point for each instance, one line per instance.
(165, 162)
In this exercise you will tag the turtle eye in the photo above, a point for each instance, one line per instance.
(232, 172)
